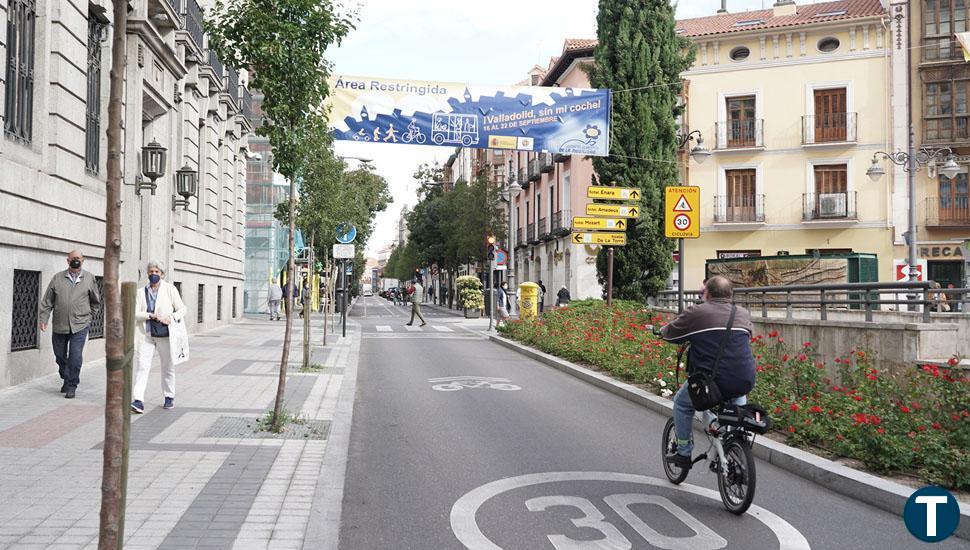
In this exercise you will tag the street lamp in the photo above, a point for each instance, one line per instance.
(510, 193)
(699, 152)
(152, 166)
(912, 162)
(187, 185)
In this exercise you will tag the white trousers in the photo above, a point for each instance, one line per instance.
(146, 353)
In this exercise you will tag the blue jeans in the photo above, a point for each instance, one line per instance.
(684, 416)
(68, 352)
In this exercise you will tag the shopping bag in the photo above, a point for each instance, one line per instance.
(178, 341)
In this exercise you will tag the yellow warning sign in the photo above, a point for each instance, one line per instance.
(682, 212)
(609, 239)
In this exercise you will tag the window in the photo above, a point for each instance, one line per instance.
(954, 199)
(97, 316)
(830, 115)
(26, 295)
(941, 20)
(740, 53)
(18, 118)
(92, 128)
(945, 111)
(219, 303)
(831, 198)
(741, 123)
(829, 44)
(740, 200)
(233, 302)
(199, 315)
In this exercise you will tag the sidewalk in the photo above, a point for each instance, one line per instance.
(199, 477)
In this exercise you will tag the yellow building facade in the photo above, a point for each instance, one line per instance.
(792, 102)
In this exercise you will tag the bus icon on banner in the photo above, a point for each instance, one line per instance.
(454, 128)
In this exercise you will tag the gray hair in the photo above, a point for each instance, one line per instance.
(153, 263)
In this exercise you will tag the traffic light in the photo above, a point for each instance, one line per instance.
(490, 243)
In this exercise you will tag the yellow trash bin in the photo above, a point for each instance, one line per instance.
(528, 300)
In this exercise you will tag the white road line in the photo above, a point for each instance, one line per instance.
(413, 328)
(384, 328)
(440, 328)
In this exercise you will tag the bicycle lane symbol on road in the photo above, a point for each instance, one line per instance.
(587, 517)
(457, 383)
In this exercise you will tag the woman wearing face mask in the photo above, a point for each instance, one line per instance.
(158, 304)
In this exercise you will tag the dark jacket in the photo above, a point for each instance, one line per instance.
(704, 326)
(73, 304)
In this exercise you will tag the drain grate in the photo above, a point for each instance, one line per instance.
(247, 428)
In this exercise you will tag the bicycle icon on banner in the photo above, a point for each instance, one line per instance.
(457, 383)
(414, 133)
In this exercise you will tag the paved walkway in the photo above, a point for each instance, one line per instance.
(199, 476)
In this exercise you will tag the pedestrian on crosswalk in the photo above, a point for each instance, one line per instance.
(416, 292)
(503, 303)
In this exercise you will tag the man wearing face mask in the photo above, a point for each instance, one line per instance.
(72, 296)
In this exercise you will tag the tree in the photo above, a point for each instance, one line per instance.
(110, 534)
(638, 47)
(282, 43)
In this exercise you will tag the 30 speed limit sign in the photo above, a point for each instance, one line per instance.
(682, 212)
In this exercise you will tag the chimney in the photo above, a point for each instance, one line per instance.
(784, 7)
(723, 7)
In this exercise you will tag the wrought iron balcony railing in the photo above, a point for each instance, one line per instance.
(534, 174)
(519, 237)
(951, 211)
(829, 128)
(531, 233)
(216, 65)
(739, 209)
(545, 162)
(193, 22)
(543, 229)
(738, 134)
(233, 84)
(828, 206)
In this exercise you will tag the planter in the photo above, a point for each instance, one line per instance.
(472, 313)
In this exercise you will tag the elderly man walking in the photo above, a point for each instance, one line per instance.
(275, 297)
(72, 296)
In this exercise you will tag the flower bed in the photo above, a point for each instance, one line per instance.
(917, 423)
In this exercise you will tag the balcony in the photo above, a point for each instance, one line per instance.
(520, 237)
(216, 65)
(828, 206)
(952, 211)
(233, 75)
(560, 157)
(739, 209)
(523, 181)
(740, 134)
(531, 234)
(829, 128)
(561, 223)
(534, 174)
(543, 229)
(247, 106)
(193, 22)
(545, 162)
(946, 130)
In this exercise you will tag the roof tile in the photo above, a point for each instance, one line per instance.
(809, 13)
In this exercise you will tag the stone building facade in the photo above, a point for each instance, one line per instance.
(53, 162)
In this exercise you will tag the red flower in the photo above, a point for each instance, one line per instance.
(784, 357)
(952, 361)
(815, 409)
(857, 398)
(773, 334)
(872, 377)
(780, 339)
(921, 428)
(791, 429)
(777, 410)
(904, 408)
(839, 437)
(859, 418)
(955, 417)
(881, 430)
(873, 419)
(794, 406)
(806, 344)
(837, 360)
(802, 357)
(861, 354)
(936, 426)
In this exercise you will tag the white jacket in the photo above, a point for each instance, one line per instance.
(167, 304)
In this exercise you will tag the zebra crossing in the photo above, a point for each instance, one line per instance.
(414, 328)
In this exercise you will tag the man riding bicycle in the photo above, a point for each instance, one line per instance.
(705, 327)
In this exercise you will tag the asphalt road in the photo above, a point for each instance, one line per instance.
(521, 456)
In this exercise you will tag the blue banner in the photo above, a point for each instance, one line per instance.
(525, 118)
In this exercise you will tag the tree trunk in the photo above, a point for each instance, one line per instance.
(290, 280)
(111, 535)
(307, 309)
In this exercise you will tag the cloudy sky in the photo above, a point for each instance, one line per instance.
(462, 41)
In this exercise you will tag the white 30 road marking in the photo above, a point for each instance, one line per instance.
(468, 533)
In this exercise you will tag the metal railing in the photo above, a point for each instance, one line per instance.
(233, 84)
(193, 22)
(829, 128)
(534, 170)
(247, 106)
(828, 206)
(545, 162)
(520, 237)
(952, 211)
(866, 297)
(531, 233)
(561, 222)
(523, 180)
(216, 65)
(543, 229)
(736, 134)
(176, 6)
(734, 208)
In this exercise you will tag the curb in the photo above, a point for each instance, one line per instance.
(867, 488)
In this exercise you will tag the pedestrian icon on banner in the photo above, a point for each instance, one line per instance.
(682, 205)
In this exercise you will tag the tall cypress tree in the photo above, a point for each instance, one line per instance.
(640, 57)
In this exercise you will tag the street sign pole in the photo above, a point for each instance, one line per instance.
(680, 275)
(609, 276)
(491, 293)
(343, 299)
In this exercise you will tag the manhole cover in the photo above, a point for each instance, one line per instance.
(248, 428)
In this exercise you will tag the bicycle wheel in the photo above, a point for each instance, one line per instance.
(668, 444)
(736, 479)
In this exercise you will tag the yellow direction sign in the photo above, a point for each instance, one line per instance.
(614, 193)
(614, 239)
(614, 210)
(682, 212)
(599, 223)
